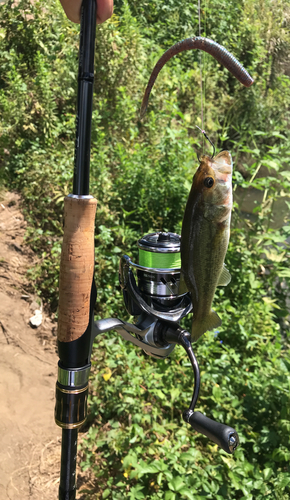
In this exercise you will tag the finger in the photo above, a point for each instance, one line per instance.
(72, 9)
(104, 10)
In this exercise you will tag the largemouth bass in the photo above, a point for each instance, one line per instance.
(205, 237)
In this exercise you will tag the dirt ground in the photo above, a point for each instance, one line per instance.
(30, 440)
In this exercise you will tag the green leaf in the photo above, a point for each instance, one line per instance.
(174, 393)
(176, 483)
(235, 480)
(284, 273)
(169, 495)
(283, 481)
(286, 174)
(159, 478)
(187, 493)
(267, 473)
(190, 456)
(271, 164)
(147, 469)
(161, 465)
(159, 393)
(136, 492)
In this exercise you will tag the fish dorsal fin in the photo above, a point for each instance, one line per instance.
(225, 277)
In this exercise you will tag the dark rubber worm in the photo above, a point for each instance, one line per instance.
(222, 55)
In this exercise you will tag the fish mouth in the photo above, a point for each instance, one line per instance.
(223, 168)
(222, 163)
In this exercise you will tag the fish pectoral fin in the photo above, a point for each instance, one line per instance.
(225, 277)
(211, 321)
(182, 285)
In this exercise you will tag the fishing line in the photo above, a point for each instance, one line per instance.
(200, 65)
(170, 260)
(202, 81)
(204, 63)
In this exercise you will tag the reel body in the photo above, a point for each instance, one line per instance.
(161, 293)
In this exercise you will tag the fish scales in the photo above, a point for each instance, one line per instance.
(205, 249)
(205, 237)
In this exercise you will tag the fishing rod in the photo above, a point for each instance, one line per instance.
(158, 300)
(77, 291)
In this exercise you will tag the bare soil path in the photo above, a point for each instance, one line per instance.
(30, 440)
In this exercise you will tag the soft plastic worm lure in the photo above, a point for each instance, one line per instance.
(222, 55)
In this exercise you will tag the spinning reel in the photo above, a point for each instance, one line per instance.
(158, 302)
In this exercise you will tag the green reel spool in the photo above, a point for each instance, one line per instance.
(159, 260)
(159, 266)
(160, 251)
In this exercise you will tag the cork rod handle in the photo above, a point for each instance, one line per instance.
(77, 267)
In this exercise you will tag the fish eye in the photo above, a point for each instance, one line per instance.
(208, 182)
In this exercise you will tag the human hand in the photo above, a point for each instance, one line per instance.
(72, 9)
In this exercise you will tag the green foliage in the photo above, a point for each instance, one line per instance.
(138, 440)
(137, 445)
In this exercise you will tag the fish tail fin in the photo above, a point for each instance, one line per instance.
(209, 322)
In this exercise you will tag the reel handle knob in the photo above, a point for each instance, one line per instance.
(224, 436)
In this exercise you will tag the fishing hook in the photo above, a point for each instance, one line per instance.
(206, 136)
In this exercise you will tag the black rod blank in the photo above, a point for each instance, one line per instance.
(85, 98)
(67, 485)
